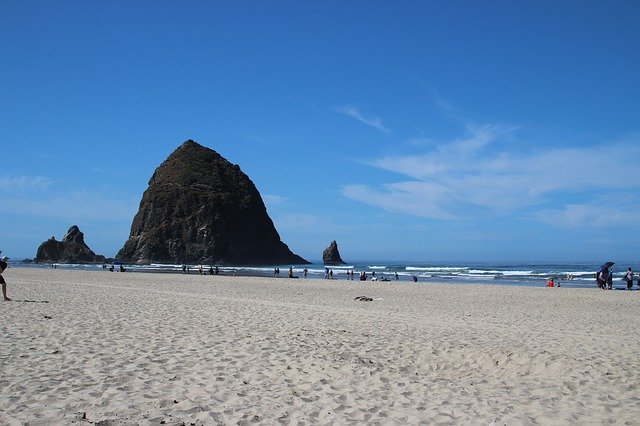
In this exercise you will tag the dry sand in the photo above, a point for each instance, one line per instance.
(123, 348)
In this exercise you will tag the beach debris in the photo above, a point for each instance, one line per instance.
(363, 299)
(81, 416)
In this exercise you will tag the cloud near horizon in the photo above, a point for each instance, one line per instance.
(473, 178)
(32, 196)
(354, 112)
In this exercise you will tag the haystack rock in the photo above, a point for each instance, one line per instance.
(331, 255)
(201, 209)
(72, 249)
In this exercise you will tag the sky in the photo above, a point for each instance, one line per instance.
(404, 130)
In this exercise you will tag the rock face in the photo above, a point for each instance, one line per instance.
(72, 249)
(331, 255)
(201, 209)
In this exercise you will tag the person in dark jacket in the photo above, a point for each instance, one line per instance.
(3, 266)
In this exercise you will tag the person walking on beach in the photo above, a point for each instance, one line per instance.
(601, 278)
(3, 266)
(628, 277)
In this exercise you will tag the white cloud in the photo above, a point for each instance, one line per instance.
(353, 112)
(600, 215)
(471, 176)
(414, 198)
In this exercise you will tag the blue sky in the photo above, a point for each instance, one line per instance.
(415, 130)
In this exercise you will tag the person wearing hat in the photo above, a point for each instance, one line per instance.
(3, 266)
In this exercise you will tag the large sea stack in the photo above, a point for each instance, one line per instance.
(72, 249)
(331, 255)
(201, 209)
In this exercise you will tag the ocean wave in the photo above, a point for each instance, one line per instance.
(434, 268)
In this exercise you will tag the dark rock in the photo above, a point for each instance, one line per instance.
(200, 208)
(72, 249)
(331, 255)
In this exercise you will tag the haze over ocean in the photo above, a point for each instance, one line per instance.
(414, 133)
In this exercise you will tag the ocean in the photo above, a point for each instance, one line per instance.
(568, 274)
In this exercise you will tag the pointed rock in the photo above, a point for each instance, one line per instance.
(331, 255)
(200, 208)
(72, 249)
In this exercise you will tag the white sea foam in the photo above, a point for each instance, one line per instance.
(434, 268)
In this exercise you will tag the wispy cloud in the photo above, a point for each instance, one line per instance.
(24, 183)
(600, 214)
(77, 207)
(37, 196)
(483, 174)
(273, 200)
(255, 138)
(354, 112)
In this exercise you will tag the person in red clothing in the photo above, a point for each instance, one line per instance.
(550, 283)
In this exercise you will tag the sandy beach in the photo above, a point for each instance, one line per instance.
(137, 348)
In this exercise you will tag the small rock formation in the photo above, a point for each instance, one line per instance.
(72, 249)
(201, 209)
(331, 255)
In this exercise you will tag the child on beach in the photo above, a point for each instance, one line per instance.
(3, 266)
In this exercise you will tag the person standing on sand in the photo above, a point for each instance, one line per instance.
(3, 266)
(601, 278)
(628, 277)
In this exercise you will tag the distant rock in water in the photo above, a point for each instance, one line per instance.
(331, 255)
(72, 249)
(201, 209)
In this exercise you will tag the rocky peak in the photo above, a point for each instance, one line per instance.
(72, 249)
(200, 208)
(331, 255)
(74, 235)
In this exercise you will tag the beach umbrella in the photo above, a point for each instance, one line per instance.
(608, 265)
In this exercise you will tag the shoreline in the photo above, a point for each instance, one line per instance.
(146, 348)
(316, 271)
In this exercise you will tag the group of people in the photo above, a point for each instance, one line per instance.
(112, 267)
(604, 278)
(328, 274)
(201, 271)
